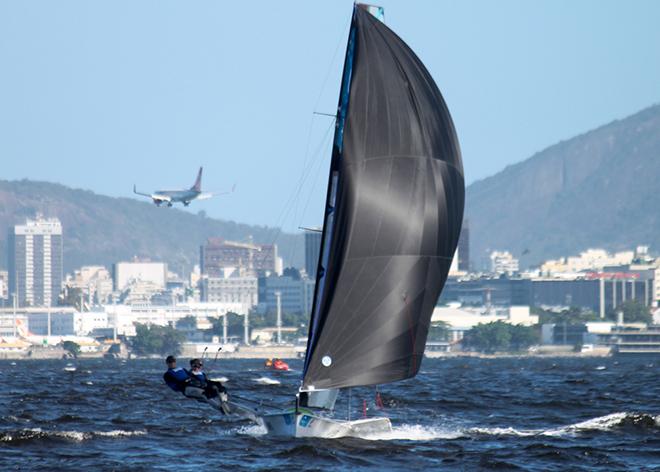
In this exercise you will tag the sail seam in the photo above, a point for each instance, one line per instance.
(407, 156)
(398, 255)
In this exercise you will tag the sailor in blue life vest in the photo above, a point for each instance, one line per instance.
(177, 378)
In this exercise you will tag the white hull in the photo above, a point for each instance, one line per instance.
(306, 424)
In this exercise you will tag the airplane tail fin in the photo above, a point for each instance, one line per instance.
(198, 182)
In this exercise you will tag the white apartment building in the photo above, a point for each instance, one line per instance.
(124, 317)
(502, 262)
(232, 287)
(95, 282)
(127, 273)
(35, 262)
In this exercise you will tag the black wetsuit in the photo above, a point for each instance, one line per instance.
(211, 387)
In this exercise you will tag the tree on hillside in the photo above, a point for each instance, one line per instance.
(499, 336)
(438, 332)
(489, 337)
(523, 337)
(154, 339)
(72, 347)
(572, 315)
(634, 311)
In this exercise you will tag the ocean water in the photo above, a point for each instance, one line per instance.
(458, 414)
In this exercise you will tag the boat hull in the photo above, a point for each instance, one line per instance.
(305, 424)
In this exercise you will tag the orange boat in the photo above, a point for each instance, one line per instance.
(276, 364)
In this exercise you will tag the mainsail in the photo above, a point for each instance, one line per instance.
(393, 216)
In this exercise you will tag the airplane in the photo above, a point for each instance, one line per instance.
(169, 197)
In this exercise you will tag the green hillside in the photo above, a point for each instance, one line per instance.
(104, 230)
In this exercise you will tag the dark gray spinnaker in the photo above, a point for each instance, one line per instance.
(393, 215)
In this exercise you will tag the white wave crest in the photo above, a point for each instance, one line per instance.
(504, 431)
(600, 423)
(430, 432)
(416, 432)
(78, 436)
(252, 430)
(221, 379)
(267, 381)
(119, 433)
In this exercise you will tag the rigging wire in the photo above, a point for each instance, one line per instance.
(293, 199)
(284, 214)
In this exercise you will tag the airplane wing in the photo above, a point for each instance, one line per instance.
(156, 197)
(140, 193)
(207, 195)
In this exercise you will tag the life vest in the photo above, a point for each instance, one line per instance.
(175, 378)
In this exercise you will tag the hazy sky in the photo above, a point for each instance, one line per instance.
(100, 95)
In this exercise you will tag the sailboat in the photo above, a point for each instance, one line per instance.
(393, 215)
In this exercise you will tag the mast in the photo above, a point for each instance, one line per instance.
(328, 220)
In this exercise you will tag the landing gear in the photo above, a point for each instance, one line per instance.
(186, 203)
(169, 204)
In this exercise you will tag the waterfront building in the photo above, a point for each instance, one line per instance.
(35, 262)
(127, 273)
(218, 254)
(589, 260)
(94, 282)
(462, 319)
(598, 291)
(296, 294)
(638, 340)
(502, 262)
(123, 318)
(10, 322)
(487, 291)
(312, 250)
(231, 287)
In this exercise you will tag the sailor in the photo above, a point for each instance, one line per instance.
(177, 378)
(202, 388)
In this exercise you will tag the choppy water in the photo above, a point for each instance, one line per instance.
(458, 414)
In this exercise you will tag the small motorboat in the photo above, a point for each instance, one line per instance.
(276, 364)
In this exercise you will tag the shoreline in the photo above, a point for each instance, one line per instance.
(289, 355)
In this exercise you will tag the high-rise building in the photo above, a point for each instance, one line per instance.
(312, 250)
(218, 254)
(35, 262)
(464, 248)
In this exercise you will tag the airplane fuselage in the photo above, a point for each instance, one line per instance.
(185, 196)
(172, 196)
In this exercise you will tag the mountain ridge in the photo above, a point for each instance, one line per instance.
(595, 189)
(103, 230)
